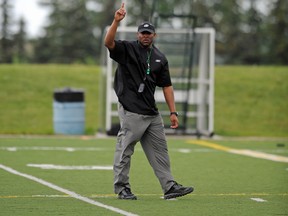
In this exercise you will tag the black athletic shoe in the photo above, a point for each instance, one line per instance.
(177, 190)
(126, 194)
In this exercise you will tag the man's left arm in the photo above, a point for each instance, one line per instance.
(169, 97)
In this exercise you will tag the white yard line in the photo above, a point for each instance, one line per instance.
(65, 191)
(62, 167)
(47, 148)
(73, 149)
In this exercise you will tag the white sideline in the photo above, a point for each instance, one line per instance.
(62, 167)
(63, 190)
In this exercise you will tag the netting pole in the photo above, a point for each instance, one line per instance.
(191, 40)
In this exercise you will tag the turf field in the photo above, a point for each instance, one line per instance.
(73, 176)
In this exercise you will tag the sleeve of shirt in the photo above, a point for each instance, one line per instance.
(164, 79)
(118, 54)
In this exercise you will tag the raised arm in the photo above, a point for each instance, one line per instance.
(111, 33)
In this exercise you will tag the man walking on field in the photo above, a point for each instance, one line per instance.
(141, 67)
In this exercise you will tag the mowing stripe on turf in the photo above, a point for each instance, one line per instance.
(65, 191)
(245, 152)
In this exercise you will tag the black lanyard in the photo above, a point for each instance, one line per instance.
(148, 61)
(142, 85)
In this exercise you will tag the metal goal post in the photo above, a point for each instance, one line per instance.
(190, 53)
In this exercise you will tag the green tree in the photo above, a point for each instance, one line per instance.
(252, 33)
(75, 31)
(101, 19)
(6, 46)
(277, 33)
(20, 42)
(227, 22)
(69, 37)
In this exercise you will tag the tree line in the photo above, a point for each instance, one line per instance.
(244, 33)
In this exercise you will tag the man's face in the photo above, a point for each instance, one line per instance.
(146, 38)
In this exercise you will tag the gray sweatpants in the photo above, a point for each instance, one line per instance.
(149, 130)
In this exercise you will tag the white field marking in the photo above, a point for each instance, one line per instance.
(184, 150)
(40, 148)
(34, 196)
(73, 149)
(245, 152)
(62, 167)
(258, 200)
(53, 196)
(65, 191)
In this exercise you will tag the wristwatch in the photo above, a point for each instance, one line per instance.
(174, 113)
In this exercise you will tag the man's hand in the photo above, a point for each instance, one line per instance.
(174, 121)
(110, 36)
(169, 97)
(120, 13)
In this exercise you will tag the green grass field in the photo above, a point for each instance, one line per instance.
(27, 96)
(225, 183)
(249, 100)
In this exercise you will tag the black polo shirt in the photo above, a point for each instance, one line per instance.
(130, 74)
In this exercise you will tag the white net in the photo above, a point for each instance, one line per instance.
(191, 61)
